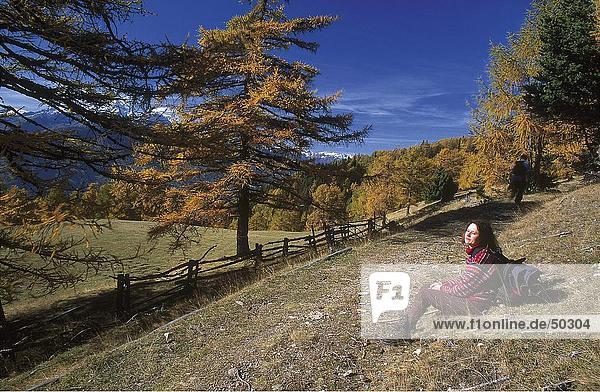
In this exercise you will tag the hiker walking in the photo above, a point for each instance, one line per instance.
(471, 292)
(519, 178)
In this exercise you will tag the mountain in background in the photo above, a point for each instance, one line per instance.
(79, 175)
(53, 119)
(325, 157)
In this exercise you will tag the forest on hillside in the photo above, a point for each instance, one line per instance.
(245, 117)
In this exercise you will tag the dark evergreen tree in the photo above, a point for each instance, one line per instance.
(567, 88)
(442, 187)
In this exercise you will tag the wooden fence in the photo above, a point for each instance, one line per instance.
(138, 293)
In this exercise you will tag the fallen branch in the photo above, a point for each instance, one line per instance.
(131, 319)
(79, 333)
(64, 313)
(560, 386)
(239, 376)
(44, 383)
(561, 234)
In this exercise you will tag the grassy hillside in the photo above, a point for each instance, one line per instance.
(301, 330)
(122, 240)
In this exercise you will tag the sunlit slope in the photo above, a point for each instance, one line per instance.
(300, 330)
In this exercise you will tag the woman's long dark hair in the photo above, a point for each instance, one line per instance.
(486, 235)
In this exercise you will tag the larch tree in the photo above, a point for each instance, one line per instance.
(379, 193)
(503, 128)
(413, 172)
(248, 119)
(332, 206)
(394, 179)
(450, 160)
(66, 55)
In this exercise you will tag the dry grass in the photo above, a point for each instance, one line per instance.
(566, 230)
(302, 331)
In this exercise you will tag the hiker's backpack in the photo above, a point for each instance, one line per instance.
(519, 169)
(518, 282)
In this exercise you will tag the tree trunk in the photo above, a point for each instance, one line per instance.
(592, 143)
(243, 246)
(537, 165)
(2, 316)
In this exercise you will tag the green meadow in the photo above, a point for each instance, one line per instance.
(128, 242)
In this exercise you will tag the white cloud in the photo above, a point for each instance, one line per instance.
(404, 100)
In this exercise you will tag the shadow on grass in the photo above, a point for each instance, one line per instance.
(551, 293)
(42, 334)
(453, 223)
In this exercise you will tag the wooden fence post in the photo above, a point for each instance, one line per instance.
(370, 228)
(197, 271)
(312, 239)
(286, 247)
(120, 286)
(127, 294)
(258, 255)
(330, 237)
(2, 315)
(6, 336)
(189, 281)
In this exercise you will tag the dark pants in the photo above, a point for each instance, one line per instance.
(518, 185)
(448, 305)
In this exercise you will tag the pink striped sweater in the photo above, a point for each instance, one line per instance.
(476, 282)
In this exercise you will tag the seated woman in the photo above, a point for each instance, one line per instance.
(473, 290)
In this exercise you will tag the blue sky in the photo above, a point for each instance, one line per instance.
(407, 68)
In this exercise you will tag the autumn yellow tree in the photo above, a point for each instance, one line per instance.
(248, 118)
(35, 256)
(394, 179)
(471, 174)
(330, 206)
(381, 193)
(413, 171)
(450, 160)
(500, 122)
